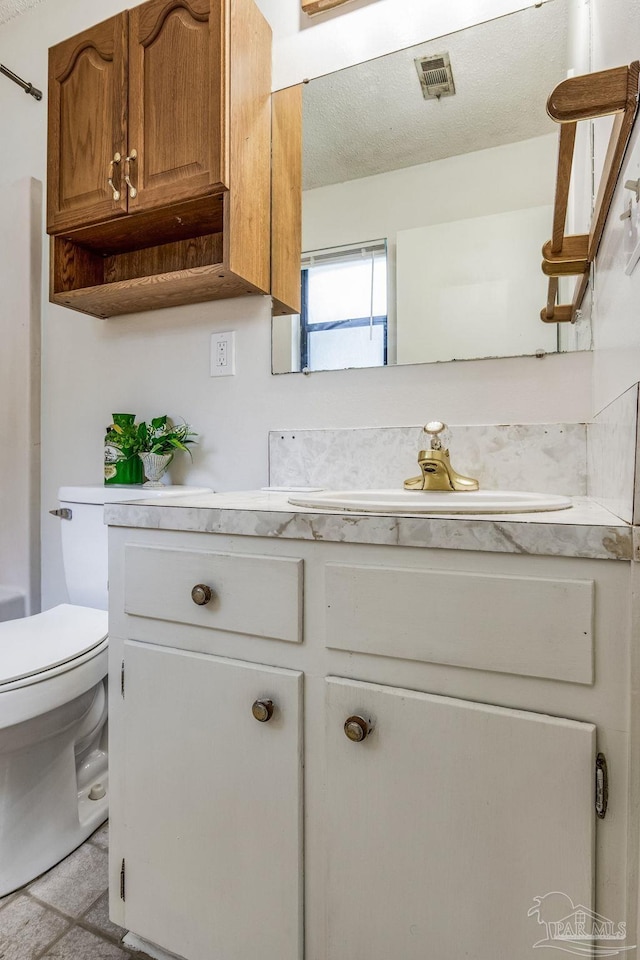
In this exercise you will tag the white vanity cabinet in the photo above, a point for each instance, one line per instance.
(443, 822)
(208, 809)
(211, 804)
(448, 779)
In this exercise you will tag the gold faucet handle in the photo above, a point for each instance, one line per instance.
(433, 428)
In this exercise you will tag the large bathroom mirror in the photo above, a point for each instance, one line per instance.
(428, 184)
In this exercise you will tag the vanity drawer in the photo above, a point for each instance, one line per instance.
(256, 595)
(520, 625)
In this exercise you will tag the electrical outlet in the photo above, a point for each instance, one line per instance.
(223, 354)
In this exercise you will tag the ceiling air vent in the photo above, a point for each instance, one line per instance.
(436, 77)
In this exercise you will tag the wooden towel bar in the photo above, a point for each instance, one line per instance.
(319, 6)
(585, 98)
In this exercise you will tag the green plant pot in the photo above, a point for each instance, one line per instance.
(121, 465)
(125, 470)
(124, 420)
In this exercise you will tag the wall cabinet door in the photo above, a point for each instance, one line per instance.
(212, 806)
(177, 90)
(87, 125)
(447, 821)
(139, 100)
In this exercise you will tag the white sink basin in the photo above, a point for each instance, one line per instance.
(432, 501)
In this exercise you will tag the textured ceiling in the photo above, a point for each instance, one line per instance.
(372, 118)
(11, 8)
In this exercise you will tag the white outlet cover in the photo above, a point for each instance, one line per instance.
(223, 361)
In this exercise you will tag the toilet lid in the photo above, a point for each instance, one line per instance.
(38, 643)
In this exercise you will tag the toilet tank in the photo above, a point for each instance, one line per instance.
(84, 535)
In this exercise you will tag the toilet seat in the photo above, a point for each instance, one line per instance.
(41, 646)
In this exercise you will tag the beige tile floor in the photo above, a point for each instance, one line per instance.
(64, 914)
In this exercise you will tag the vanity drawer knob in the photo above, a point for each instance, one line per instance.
(201, 594)
(262, 710)
(357, 728)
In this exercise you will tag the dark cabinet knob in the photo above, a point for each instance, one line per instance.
(357, 729)
(201, 594)
(262, 710)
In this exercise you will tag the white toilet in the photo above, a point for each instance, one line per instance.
(53, 705)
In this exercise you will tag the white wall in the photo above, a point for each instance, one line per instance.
(616, 315)
(158, 362)
(473, 288)
(581, 192)
(509, 177)
(20, 256)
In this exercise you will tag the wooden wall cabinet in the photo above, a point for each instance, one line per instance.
(159, 158)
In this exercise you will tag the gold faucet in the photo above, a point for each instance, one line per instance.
(437, 472)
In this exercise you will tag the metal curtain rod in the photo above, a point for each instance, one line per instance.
(27, 87)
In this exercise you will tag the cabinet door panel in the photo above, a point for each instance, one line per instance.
(212, 807)
(177, 101)
(446, 823)
(87, 125)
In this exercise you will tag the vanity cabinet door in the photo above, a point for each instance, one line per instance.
(87, 126)
(177, 101)
(447, 820)
(212, 805)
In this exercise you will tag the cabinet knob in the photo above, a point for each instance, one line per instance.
(201, 594)
(357, 728)
(262, 710)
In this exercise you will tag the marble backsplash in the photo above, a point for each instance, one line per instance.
(600, 459)
(547, 458)
(612, 457)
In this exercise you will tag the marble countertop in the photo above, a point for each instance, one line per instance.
(586, 529)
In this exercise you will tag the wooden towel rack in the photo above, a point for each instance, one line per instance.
(585, 98)
(319, 6)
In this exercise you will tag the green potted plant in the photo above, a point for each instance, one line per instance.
(157, 442)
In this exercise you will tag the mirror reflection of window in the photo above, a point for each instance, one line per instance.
(344, 307)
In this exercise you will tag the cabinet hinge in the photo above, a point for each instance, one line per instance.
(122, 679)
(602, 786)
(122, 897)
